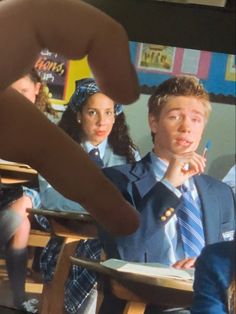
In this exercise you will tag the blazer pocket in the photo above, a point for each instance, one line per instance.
(228, 230)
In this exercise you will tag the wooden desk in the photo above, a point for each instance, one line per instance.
(140, 290)
(73, 224)
(84, 227)
(55, 213)
(7, 180)
(17, 171)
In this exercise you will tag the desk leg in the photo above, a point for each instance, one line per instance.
(134, 308)
(53, 293)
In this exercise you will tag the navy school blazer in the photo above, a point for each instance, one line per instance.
(157, 205)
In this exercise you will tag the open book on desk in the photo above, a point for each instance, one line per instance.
(149, 269)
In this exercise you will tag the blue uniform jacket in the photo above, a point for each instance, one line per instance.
(213, 276)
(153, 200)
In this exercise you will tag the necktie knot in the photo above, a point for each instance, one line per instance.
(183, 188)
(94, 152)
(95, 156)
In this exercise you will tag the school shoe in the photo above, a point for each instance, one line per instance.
(30, 306)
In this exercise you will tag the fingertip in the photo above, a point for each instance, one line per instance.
(121, 92)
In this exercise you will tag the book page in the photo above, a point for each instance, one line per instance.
(149, 269)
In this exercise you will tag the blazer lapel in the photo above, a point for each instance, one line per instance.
(210, 209)
(144, 178)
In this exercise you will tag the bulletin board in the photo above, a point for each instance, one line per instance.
(60, 75)
(156, 63)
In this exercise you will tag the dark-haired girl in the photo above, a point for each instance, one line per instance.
(98, 125)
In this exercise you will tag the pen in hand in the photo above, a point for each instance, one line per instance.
(206, 148)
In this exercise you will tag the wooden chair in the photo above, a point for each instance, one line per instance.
(52, 301)
(18, 174)
(37, 238)
(138, 290)
(52, 294)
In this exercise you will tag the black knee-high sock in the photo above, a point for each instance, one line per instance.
(16, 262)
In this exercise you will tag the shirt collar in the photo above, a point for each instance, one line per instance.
(102, 147)
(159, 166)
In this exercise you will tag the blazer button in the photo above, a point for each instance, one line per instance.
(168, 213)
(163, 218)
(171, 209)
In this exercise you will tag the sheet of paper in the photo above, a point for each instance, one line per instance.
(191, 60)
(149, 269)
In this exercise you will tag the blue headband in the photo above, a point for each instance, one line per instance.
(84, 89)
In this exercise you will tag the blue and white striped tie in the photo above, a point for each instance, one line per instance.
(190, 223)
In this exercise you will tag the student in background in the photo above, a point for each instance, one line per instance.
(181, 209)
(15, 224)
(214, 273)
(35, 139)
(14, 234)
(96, 123)
(32, 87)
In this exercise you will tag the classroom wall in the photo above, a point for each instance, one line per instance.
(220, 129)
(199, 27)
